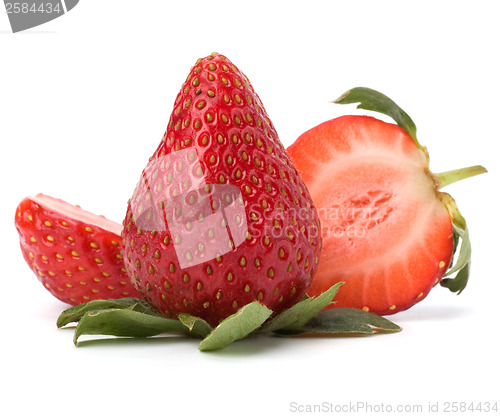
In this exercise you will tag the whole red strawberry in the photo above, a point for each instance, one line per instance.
(388, 231)
(220, 217)
(75, 254)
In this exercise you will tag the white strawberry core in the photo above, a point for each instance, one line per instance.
(77, 213)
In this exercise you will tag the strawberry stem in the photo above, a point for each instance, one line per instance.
(446, 178)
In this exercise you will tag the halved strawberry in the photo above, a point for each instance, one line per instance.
(74, 253)
(387, 230)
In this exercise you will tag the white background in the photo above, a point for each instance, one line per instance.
(84, 101)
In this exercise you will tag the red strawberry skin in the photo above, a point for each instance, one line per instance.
(232, 167)
(71, 254)
(385, 231)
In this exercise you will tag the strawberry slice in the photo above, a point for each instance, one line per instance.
(388, 232)
(74, 253)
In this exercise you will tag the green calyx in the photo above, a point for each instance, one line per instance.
(372, 100)
(460, 234)
(135, 318)
(460, 230)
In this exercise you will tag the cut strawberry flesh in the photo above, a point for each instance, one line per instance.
(76, 213)
(385, 232)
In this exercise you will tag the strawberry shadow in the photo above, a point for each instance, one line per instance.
(431, 313)
(240, 348)
(133, 342)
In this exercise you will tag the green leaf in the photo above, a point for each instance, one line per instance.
(125, 323)
(135, 318)
(456, 243)
(237, 326)
(75, 313)
(462, 264)
(458, 283)
(375, 101)
(460, 232)
(299, 314)
(197, 326)
(465, 253)
(345, 321)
